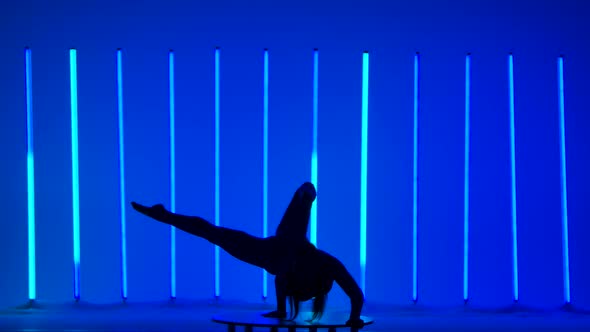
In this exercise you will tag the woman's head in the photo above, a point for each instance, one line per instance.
(309, 279)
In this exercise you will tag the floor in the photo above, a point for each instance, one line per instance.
(196, 316)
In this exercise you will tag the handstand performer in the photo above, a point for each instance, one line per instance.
(301, 271)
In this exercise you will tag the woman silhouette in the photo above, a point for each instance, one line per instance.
(301, 271)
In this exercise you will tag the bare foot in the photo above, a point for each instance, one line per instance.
(157, 211)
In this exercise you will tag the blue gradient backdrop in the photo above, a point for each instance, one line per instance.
(535, 31)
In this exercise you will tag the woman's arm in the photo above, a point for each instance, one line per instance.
(281, 311)
(351, 288)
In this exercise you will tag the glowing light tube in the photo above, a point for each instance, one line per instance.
(364, 150)
(30, 178)
(172, 177)
(415, 185)
(564, 222)
(513, 177)
(122, 175)
(75, 172)
(314, 151)
(217, 141)
(265, 166)
(466, 180)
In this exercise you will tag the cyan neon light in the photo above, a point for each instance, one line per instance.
(30, 178)
(172, 177)
(564, 222)
(217, 141)
(513, 177)
(466, 180)
(265, 166)
(415, 186)
(314, 150)
(75, 172)
(122, 175)
(364, 150)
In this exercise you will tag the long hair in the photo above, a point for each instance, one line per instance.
(318, 306)
(320, 285)
(294, 307)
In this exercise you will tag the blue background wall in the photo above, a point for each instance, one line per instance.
(536, 31)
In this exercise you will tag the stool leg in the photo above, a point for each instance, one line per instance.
(332, 329)
(247, 328)
(231, 328)
(274, 329)
(313, 329)
(292, 329)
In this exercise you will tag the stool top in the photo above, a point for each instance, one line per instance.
(255, 319)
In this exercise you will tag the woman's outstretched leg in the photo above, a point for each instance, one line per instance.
(293, 225)
(245, 247)
(193, 225)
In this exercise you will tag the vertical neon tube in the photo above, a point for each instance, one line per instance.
(30, 178)
(75, 172)
(513, 177)
(172, 177)
(564, 222)
(364, 152)
(466, 180)
(217, 141)
(265, 166)
(122, 175)
(415, 186)
(314, 151)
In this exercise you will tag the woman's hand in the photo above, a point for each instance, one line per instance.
(355, 323)
(275, 314)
